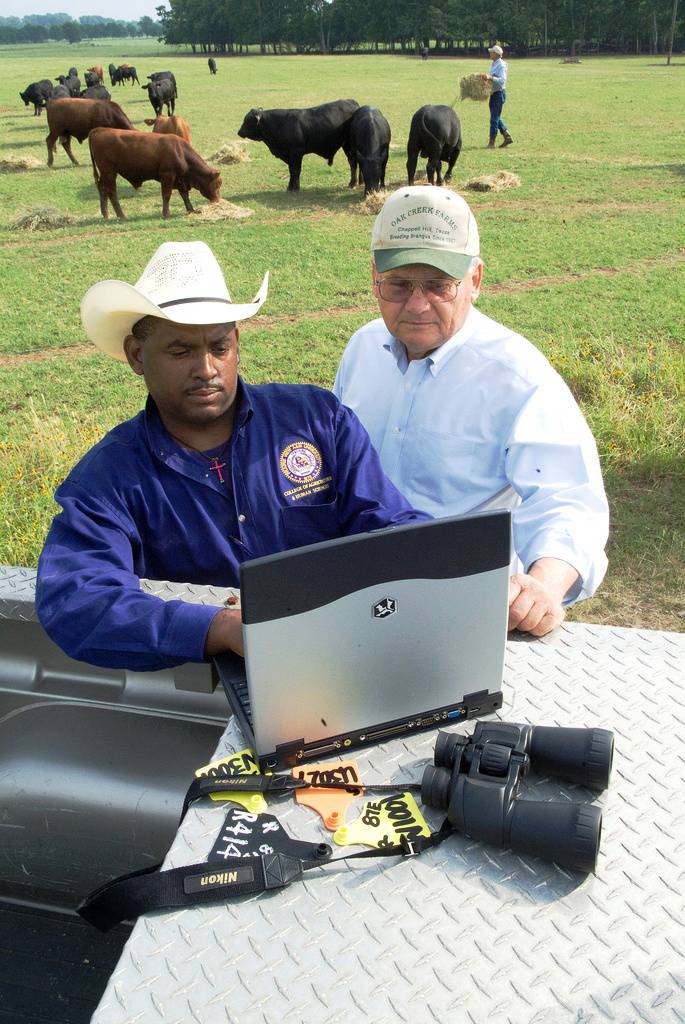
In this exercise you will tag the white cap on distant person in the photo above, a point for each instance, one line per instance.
(183, 282)
(425, 224)
(496, 49)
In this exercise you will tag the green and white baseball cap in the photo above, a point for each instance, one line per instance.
(425, 224)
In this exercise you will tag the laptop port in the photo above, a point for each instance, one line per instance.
(325, 748)
(382, 733)
(457, 713)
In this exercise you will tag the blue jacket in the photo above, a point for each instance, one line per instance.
(299, 469)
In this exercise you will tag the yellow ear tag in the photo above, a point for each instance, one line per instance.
(242, 763)
(383, 823)
(329, 803)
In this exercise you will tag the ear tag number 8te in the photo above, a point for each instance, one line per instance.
(329, 803)
(383, 823)
(242, 763)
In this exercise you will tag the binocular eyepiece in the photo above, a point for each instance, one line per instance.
(477, 779)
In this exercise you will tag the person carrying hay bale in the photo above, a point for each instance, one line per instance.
(498, 96)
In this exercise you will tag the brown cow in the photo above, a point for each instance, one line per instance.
(170, 126)
(143, 157)
(76, 117)
(97, 70)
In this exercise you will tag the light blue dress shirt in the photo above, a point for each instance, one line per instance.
(499, 70)
(483, 416)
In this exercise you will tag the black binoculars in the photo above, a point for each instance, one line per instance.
(477, 779)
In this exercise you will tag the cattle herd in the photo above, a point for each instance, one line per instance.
(167, 156)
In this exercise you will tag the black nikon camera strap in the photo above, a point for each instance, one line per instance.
(128, 896)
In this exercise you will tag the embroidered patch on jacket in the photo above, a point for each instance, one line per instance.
(301, 462)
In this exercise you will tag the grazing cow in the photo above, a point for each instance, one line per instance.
(161, 94)
(170, 126)
(290, 134)
(369, 147)
(76, 117)
(212, 66)
(96, 92)
(97, 70)
(140, 157)
(128, 74)
(112, 74)
(37, 93)
(59, 93)
(72, 73)
(72, 82)
(435, 133)
(91, 79)
(159, 76)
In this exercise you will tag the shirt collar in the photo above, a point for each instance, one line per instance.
(159, 438)
(441, 356)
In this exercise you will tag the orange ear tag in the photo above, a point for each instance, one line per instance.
(329, 803)
(242, 763)
(383, 823)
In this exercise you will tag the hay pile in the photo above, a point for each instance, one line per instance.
(223, 210)
(494, 182)
(230, 153)
(19, 163)
(373, 202)
(41, 218)
(475, 87)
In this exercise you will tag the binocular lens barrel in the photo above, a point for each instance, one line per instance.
(435, 785)
(566, 833)
(578, 755)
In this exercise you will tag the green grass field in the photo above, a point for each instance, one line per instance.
(587, 259)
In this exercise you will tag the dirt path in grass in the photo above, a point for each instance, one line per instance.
(369, 307)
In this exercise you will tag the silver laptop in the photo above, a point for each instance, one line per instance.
(360, 639)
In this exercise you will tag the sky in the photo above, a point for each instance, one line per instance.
(121, 10)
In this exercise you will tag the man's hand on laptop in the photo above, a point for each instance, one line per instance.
(225, 633)
(535, 597)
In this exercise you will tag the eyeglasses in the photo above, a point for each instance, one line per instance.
(395, 289)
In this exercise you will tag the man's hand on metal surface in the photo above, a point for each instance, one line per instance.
(535, 597)
(225, 633)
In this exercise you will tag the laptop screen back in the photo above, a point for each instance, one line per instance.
(342, 635)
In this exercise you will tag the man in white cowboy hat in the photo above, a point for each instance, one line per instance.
(466, 414)
(212, 472)
(498, 76)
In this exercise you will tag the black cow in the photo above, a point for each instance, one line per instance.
(112, 74)
(72, 83)
(161, 93)
(212, 66)
(60, 92)
(128, 74)
(96, 92)
(369, 147)
(38, 93)
(290, 134)
(92, 78)
(72, 73)
(435, 133)
(160, 76)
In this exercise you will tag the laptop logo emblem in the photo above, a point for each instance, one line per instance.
(381, 609)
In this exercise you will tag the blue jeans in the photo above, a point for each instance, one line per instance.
(497, 101)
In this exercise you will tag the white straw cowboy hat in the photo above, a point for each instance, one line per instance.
(182, 282)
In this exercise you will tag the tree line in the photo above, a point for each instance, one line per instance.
(443, 26)
(40, 28)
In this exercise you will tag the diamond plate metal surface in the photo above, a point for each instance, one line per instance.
(18, 591)
(466, 932)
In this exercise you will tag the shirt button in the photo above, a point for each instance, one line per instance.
(396, 430)
(241, 518)
(407, 387)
